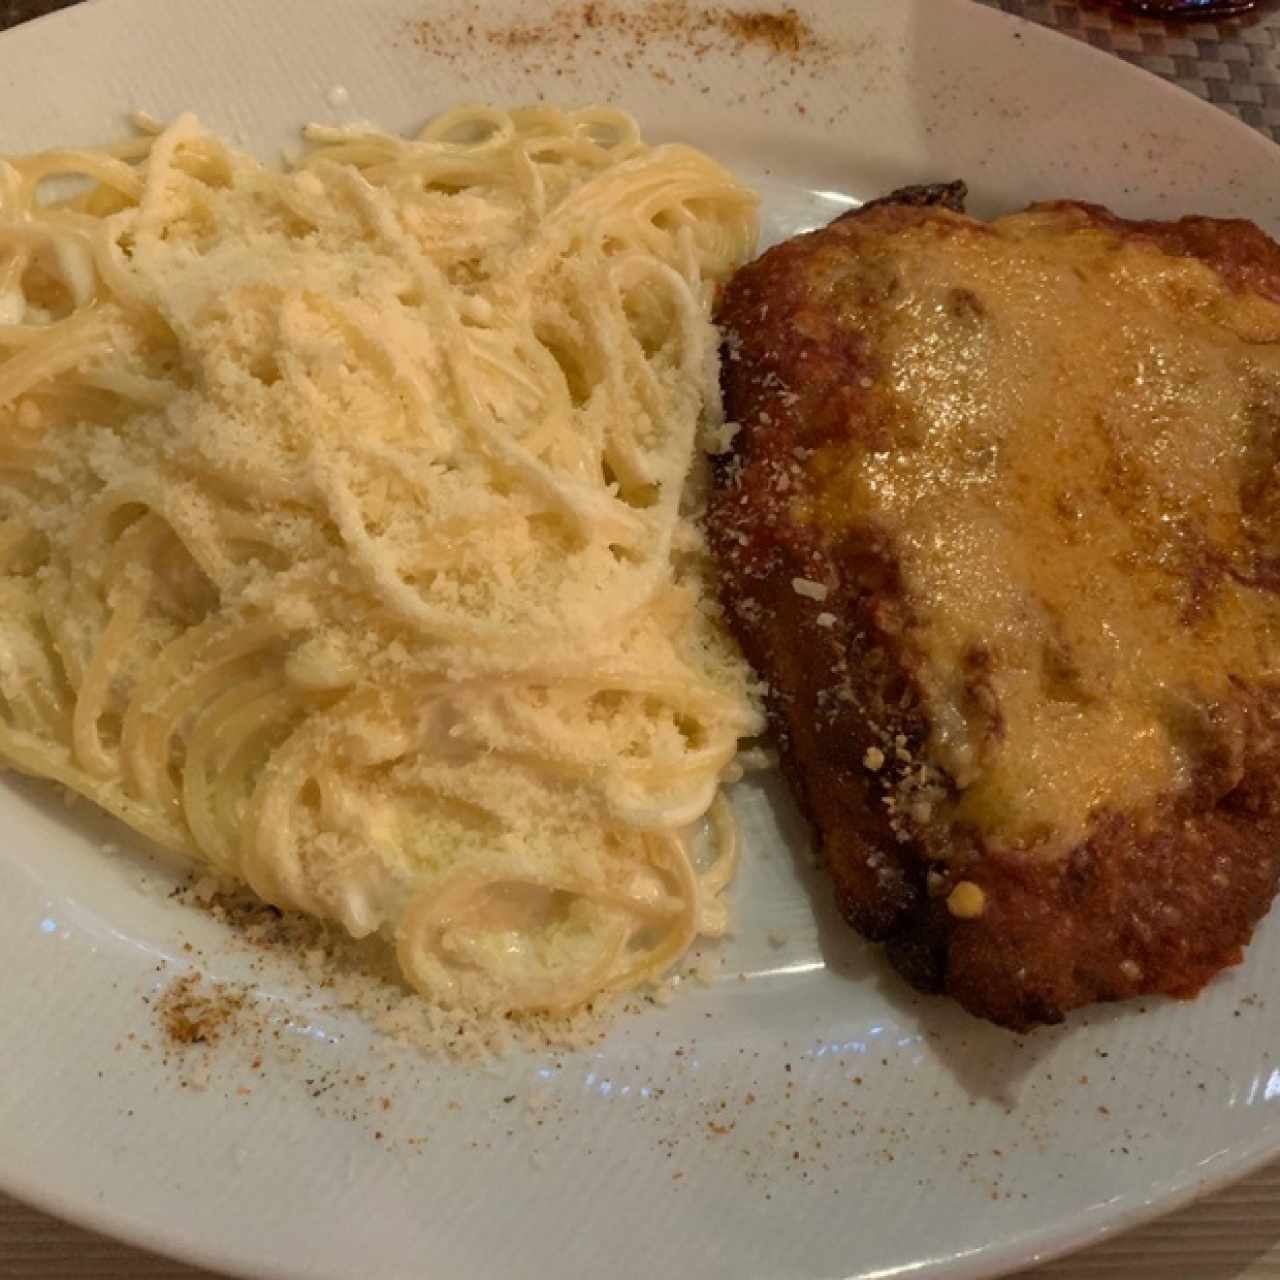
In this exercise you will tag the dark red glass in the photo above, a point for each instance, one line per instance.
(1185, 8)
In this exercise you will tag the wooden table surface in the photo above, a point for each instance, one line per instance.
(1233, 1235)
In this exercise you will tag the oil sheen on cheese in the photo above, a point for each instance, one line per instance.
(1086, 421)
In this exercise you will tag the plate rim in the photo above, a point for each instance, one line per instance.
(1031, 1247)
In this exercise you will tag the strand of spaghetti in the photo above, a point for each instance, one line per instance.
(63, 252)
(658, 793)
(380, 573)
(167, 498)
(402, 374)
(91, 696)
(662, 813)
(151, 392)
(34, 697)
(683, 690)
(131, 559)
(159, 170)
(621, 129)
(269, 857)
(240, 771)
(218, 757)
(150, 721)
(471, 120)
(99, 165)
(421, 944)
(34, 756)
(531, 184)
(725, 832)
(24, 335)
(657, 959)
(633, 376)
(271, 860)
(115, 267)
(82, 337)
(634, 783)
(149, 756)
(11, 275)
(34, 703)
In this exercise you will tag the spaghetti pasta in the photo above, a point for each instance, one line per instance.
(346, 529)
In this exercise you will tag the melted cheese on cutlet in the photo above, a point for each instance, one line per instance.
(1078, 415)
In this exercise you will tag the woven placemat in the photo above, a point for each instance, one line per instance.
(1233, 63)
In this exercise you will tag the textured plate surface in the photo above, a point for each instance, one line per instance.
(804, 1115)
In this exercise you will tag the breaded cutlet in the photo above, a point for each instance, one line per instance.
(1000, 528)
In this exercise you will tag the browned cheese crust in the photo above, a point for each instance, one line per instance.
(1157, 890)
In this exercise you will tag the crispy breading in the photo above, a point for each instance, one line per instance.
(1070, 791)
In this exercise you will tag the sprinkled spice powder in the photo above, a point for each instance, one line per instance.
(782, 32)
(568, 31)
(189, 1012)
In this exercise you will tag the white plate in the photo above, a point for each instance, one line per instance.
(887, 1133)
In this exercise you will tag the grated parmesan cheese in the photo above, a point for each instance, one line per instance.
(808, 588)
